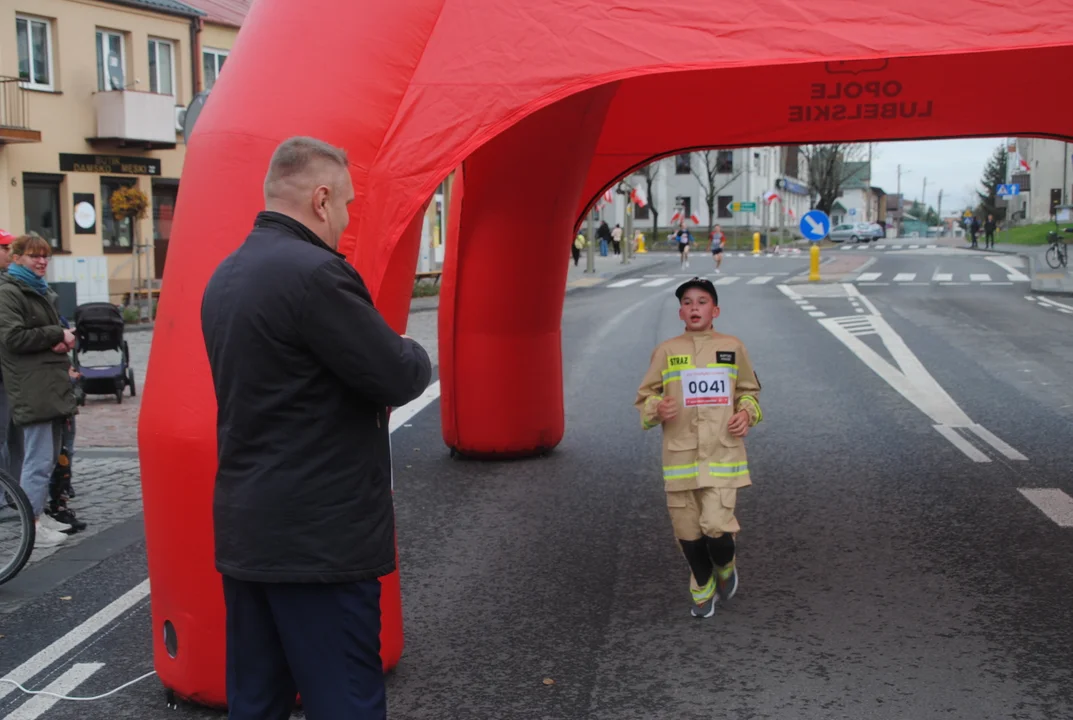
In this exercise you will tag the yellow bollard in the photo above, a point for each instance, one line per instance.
(756, 243)
(640, 244)
(814, 263)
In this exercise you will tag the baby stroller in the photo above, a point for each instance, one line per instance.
(99, 328)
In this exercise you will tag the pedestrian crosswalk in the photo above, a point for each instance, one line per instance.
(888, 246)
(864, 279)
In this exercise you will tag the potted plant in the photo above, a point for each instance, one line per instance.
(131, 202)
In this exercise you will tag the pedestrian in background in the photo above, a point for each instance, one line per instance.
(974, 229)
(616, 238)
(305, 370)
(989, 231)
(577, 246)
(10, 436)
(33, 353)
(604, 234)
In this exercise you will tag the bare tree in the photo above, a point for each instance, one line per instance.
(707, 176)
(830, 167)
(650, 172)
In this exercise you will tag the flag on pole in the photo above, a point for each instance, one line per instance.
(609, 196)
(638, 197)
(695, 218)
(677, 217)
(1022, 163)
(770, 196)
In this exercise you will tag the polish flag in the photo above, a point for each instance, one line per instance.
(790, 212)
(770, 196)
(1023, 164)
(695, 218)
(609, 196)
(638, 197)
(677, 217)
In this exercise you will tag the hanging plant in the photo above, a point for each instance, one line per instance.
(129, 202)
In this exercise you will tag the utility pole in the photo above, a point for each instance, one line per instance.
(590, 256)
(940, 210)
(924, 196)
(868, 191)
(898, 219)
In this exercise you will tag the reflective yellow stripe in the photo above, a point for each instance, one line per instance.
(705, 593)
(680, 472)
(732, 368)
(752, 401)
(728, 469)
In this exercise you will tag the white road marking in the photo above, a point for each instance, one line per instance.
(962, 444)
(726, 280)
(788, 292)
(1056, 305)
(75, 637)
(808, 307)
(908, 376)
(1054, 503)
(38, 705)
(869, 276)
(905, 277)
(979, 277)
(881, 247)
(942, 277)
(406, 412)
(914, 247)
(818, 314)
(860, 310)
(657, 282)
(628, 282)
(763, 279)
(988, 437)
(1013, 273)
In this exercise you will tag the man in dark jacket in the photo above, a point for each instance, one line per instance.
(305, 370)
(33, 353)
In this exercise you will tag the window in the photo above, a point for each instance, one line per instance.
(111, 61)
(682, 165)
(724, 163)
(641, 213)
(41, 200)
(686, 203)
(724, 206)
(115, 235)
(212, 62)
(34, 36)
(161, 73)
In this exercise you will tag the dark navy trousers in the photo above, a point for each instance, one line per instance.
(320, 641)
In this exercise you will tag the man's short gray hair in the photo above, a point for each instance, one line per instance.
(295, 155)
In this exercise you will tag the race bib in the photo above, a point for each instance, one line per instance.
(706, 386)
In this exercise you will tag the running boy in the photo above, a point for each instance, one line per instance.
(702, 388)
(718, 242)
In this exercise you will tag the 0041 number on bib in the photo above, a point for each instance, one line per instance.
(706, 386)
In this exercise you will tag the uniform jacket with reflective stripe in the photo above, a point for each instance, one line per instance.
(698, 450)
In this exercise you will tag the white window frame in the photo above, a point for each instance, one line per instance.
(101, 36)
(171, 46)
(217, 54)
(28, 19)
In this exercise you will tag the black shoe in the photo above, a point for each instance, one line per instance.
(67, 517)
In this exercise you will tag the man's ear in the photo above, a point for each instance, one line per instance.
(320, 201)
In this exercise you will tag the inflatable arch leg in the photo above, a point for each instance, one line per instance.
(502, 300)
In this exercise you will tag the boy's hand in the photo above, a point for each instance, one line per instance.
(667, 409)
(739, 424)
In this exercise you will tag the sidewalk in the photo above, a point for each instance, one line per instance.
(1045, 279)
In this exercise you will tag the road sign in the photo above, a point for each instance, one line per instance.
(742, 207)
(1008, 190)
(815, 225)
(852, 212)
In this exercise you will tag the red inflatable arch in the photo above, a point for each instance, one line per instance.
(540, 105)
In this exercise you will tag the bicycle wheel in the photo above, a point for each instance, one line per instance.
(17, 532)
(1055, 256)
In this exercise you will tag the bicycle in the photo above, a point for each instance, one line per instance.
(1057, 253)
(17, 530)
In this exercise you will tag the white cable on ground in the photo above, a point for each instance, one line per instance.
(80, 699)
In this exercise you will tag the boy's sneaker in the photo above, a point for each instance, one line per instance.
(728, 580)
(704, 600)
(53, 524)
(47, 537)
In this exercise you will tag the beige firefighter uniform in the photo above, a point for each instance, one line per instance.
(703, 464)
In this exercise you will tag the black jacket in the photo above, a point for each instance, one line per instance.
(304, 369)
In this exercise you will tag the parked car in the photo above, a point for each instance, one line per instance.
(853, 232)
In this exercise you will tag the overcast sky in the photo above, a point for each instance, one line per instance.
(953, 166)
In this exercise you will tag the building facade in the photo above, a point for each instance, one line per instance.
(1049, 178)
(740, 175)
(94, 93)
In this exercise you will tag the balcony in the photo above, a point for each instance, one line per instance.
(134, 119)
(15, 113)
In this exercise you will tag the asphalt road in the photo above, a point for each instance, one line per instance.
(889, 569)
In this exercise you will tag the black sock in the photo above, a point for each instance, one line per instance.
(721, 549)
(696, 554)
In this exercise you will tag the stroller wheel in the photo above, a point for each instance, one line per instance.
(119, 397)
(130, 382)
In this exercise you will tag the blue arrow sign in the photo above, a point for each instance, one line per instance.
(815, 225)
(1006, 190)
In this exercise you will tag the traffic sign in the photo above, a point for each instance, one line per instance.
(852, 212)
(742, 207)
(815, 225)
(1008, 190)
